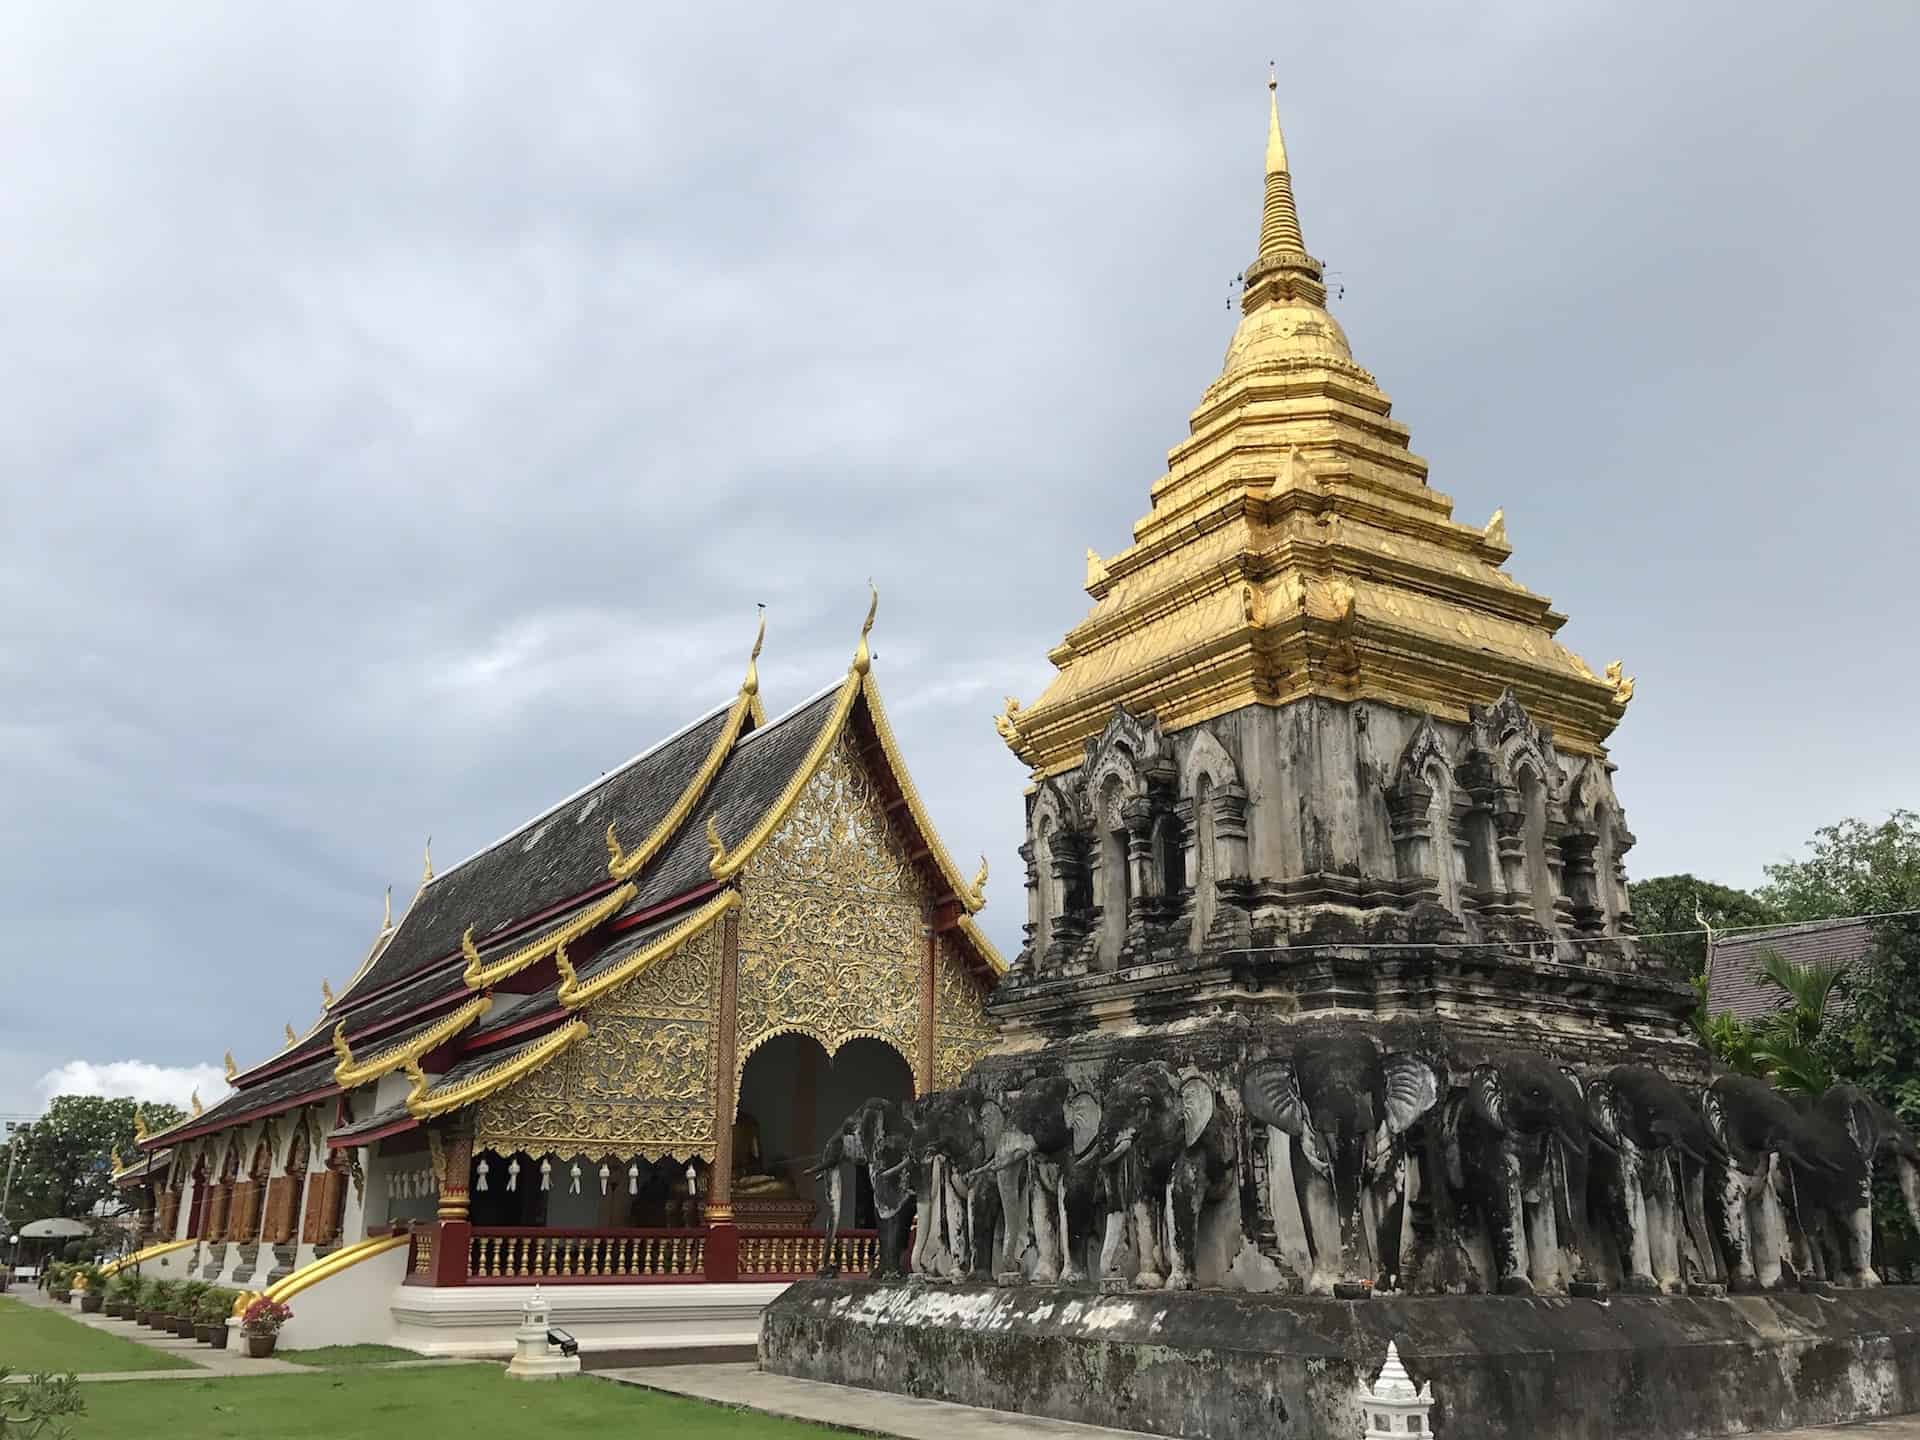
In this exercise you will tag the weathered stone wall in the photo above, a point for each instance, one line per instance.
(1213, 1366)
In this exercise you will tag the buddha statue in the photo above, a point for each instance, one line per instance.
(751, 1178)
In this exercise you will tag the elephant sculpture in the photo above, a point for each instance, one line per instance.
(1042, 1131)
(1764, 1150)
(1653, 1177)
(1346, 1111)
(1846, 1136)
(953, 1136)
(1517, 1150)
(1163, 1154)
(875, 1136)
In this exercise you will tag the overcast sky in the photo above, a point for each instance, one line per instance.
(408, 405)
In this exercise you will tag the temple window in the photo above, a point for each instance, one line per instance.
(1115, 890)
(1206, 865)
(1169, 863)
(1440, 822)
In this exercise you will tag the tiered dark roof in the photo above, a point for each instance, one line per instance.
(1732, 989)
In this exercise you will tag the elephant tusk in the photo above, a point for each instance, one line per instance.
(1119, 1149)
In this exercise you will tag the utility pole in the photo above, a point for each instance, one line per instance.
(17, 1130)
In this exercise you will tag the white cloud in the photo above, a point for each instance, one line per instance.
(136, 1079)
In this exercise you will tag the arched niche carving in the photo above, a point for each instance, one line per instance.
(1216, 840)
(1420, 809)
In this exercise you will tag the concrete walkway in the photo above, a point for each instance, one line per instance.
(868, 1412)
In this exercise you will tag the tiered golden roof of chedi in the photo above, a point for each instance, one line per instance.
(1294, 548)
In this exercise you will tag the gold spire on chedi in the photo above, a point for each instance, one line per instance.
(1294, 549)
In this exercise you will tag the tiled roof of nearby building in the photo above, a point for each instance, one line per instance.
(1733, 990)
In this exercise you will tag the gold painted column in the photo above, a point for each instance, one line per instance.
(723, 1244)
(452, 1231)
(923, 1077)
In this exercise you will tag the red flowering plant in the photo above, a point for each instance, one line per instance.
(265, 1317)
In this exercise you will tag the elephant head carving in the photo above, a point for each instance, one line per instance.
(1346, 1109)
(1161, 1152)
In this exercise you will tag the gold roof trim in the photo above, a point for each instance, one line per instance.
(726, 863)
(973, 932)
(573, 993)
(426, 1101)
(971, 895)
(624, 864)
(353, 1071)
(479, 973)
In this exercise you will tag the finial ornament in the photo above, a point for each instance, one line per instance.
(139, 1123)
(194, 1101)
(292, 1038)
(863, 657)
(615, 853)
(232, 1069)
(468, 949)
(426, 864)
(751, 685)
(1496, 531)
(1096, 568)
(341, 1049)
(1276, 145)
(564, 967)
(386, 915)
(1621, 682)
(118, 1165)
(716, 845)
(1007, 722)
(979, 886)
(326, 993)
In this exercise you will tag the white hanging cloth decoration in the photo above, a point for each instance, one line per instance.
(480, 1184)
(513, 1173)
(546, 1172)
(633, 1177)
(573, 1175)
(691, 1178)
(605, 1174)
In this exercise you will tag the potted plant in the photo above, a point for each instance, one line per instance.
(261, 1325)
(59, 1282)
(140, 1293)
(186, 1302)
(210, 1319)
(160, 1298)
(93, 1299)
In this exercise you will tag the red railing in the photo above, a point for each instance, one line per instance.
(528, 1254)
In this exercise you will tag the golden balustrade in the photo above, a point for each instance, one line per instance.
(522, 1255)
(423, 1252)
(585, 1256)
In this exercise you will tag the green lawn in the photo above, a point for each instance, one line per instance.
(34, 1338)
(336, 1357)
(442, 1403)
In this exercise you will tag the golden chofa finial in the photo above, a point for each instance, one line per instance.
(563, 967)
(616, 853)
(1496, 531)
(751, 685)
(426, 864)
(118, 1164)
(716, 845)
(979, 886)
(139, 1123)
(326, 993)
(232, 1069)
(292, 1039)
(1007, 722)
(386, 916)
(194, 1101)
(863, 657)
(341, 1049)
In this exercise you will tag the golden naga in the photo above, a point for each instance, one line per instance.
(616, 853)
(1007, 722)
(1096, 568)
(139, 1123)
(194, 1101)
(114, 1154)
(979, 886)
(292, 1039)
(751, 684)
(326, 993)
(469, 949)
(716, 845)
(232, 1069)
(340, 1046)
(565, 968)
(1621, 682)
(862, 656)
(1496, 531)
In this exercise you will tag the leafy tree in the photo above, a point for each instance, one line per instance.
(1791, 1046)
(1674, 902)
(66, 1157)
(1856, 868)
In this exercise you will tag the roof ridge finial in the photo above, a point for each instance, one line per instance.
(1276, 142)
(426, 864)
(386, 915)
(751, 685)
(863, 657)
(1283, 270)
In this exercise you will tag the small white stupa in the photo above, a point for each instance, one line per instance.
(534, 1356)
(1391, 1406)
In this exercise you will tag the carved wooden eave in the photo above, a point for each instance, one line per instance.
(574, 993)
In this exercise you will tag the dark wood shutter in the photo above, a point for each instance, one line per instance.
(316, 1203)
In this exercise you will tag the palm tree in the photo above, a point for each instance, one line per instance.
(1786, 1046)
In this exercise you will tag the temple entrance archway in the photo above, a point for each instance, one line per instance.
(793, 1096)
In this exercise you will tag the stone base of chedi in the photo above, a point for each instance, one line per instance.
(1217, 1365)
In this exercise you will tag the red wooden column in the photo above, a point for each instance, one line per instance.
(452, 1231)
(723, 1241)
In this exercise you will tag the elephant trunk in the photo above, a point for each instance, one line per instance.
(1349, 1154)
(1910, 1188)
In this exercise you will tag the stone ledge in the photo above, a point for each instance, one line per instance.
(1213, 1365)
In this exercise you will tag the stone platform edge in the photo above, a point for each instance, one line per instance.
(1208, 1364)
